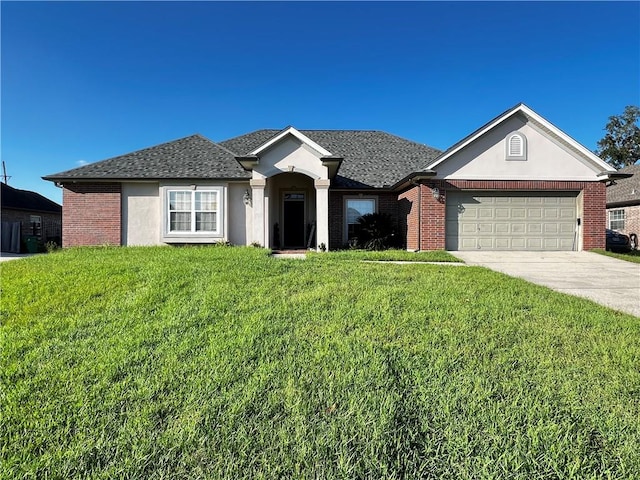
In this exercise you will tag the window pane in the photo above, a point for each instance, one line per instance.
(616, 219)
(205, 221)
(357, 208)
(180, 201)
(180, 222)
(207, 201)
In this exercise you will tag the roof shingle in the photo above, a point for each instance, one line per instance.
(14, 199)
(372, 159)
(625, 191)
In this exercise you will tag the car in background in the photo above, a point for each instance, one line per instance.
(617, 242)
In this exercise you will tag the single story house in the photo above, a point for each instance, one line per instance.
(516, 183)
(623, 202)
(28, 214)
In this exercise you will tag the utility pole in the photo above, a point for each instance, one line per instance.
(5, 177)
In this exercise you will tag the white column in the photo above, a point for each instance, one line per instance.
(322, 212)
(257, 203)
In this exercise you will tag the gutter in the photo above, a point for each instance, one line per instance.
(606, 176)
(413, 179)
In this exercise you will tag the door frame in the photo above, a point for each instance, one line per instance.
(283, 225)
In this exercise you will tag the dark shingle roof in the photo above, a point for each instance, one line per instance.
(625, 191)
(189, 157)
(371, 158)
(15, 199)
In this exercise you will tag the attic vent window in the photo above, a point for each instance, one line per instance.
(516, 146)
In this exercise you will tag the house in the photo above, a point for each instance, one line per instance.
(516, 183)
(623, 202)
(28, 214)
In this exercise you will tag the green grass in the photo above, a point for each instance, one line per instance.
(389, 255)
(632, 256)
(219, 362)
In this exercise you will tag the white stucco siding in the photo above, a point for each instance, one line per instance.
(239, 217)
(547, 158)
(290, 155)
(141, 222)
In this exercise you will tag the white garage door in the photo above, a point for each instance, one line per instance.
(510, 221)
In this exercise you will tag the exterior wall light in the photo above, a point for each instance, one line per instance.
(435, 191)
(246, 198)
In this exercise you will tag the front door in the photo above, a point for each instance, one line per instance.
(293, 224)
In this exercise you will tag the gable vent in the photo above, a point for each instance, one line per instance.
(516, 147)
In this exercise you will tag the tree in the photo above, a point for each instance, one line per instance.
(620, 147)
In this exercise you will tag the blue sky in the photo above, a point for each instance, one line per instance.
(85, 81)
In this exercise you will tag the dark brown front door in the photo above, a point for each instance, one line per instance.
(293, 220)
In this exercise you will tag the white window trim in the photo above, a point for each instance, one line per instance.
(623, 218)
(194, 236)
(345, 201)
(523, 140)
(35, 219)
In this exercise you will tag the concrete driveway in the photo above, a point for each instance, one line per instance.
(608, 281)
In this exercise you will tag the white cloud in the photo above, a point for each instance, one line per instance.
(80, 163)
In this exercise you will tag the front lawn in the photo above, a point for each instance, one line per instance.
(632, 256)
(222, 362)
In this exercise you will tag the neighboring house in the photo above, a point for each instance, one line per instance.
(517, 183)
(623, 202)
(26, 214)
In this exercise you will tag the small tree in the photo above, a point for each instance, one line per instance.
(620, 147)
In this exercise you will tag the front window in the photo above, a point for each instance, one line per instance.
(616, 219)
(356, 208)
(193, 212)
(36, 225)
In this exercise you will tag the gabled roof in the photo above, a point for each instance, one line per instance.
(297, 134)
(371, 159)
(14, 199)
(533, 117)
(625, 191)
(189, 158)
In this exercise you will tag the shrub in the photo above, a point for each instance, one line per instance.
(377, 232)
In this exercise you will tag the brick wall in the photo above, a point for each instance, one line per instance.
(432, 212)
(91, 214)
(631, 219)
(408, 218)
(594, 217)
(387, 203)
(51, 229)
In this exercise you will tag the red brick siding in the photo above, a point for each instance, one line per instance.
(91, 214)
(387, 203)
(432, 219)
(594, 216)
(432, 212)
(408, 218)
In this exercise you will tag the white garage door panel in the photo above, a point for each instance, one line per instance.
(510, 221)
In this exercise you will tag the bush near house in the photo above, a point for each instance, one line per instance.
(221, 362)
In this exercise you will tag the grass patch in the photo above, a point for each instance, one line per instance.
(632, 256)
(389, 255)
(226, 363)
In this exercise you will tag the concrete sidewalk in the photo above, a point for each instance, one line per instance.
(605, 280)
(6, 256)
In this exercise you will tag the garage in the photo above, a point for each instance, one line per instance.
(511, 220)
